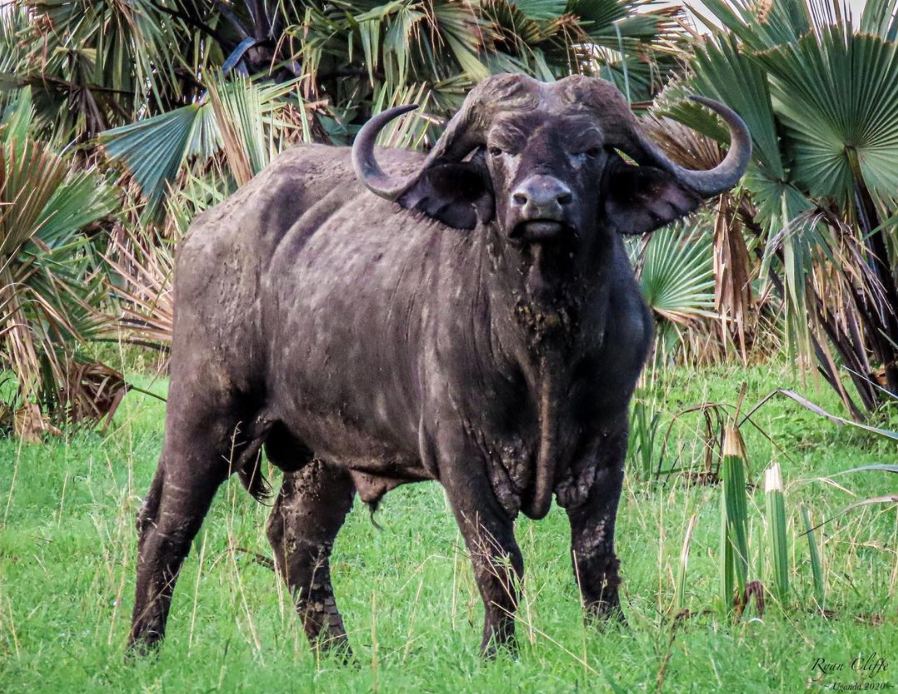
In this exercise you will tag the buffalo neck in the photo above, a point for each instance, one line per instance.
(547, 305)
(543, 297)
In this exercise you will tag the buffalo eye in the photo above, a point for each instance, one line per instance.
(495, 151)
(588, 153)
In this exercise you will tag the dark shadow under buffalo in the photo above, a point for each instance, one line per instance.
(470, 317)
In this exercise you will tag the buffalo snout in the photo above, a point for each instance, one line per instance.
(539, 205)
(542, 197)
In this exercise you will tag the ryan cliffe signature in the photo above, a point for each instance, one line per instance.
(870, 670)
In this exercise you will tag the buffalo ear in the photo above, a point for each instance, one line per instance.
(454, 193)
(639, 199)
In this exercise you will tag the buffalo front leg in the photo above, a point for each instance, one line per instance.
(308, 514)
(596, 567)
(488, 532)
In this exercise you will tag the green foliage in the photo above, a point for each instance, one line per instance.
(92, 64)
(69, 547)
(49, 289)
(676, 274)
(733, 520)
(819, 98)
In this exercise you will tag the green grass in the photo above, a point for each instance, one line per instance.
(68, 545)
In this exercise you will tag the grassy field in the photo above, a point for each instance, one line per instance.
(68, 545)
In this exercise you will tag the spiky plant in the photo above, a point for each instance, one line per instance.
(49, 288)
(819, 98)
(675, 270)
(151, 69)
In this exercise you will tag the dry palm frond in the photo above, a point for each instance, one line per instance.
(683, 145)
(733, 268)
(50, 289)
(143, 285)
(89, 393)
(732, 272)
(93, 392)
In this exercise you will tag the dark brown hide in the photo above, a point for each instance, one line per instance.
(488, 337)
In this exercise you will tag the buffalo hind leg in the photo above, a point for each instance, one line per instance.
(191, 469)
(596, 566)
(309, 512)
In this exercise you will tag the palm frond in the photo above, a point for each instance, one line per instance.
(541, 10)
(49, 288)
(819, 98)
(837, 95)
(240, 117)
(676, 274)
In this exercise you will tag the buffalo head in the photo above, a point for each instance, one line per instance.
(543, 160)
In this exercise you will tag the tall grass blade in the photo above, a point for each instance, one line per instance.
(813, 552)
(680, 595)
(644, 426)
(816, 409)
(727, 579)
(776, 525)
(734, 517)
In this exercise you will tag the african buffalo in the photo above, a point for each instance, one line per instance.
(468, 317)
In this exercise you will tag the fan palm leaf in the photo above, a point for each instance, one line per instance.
(676, 274)
(819, 99)
(49, 291)
(837, 96)
(240, 118)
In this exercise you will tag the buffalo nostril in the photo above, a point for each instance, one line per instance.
(546, 195)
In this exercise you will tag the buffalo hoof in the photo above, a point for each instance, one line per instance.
(491, 648)
(336, 647)
(604, 614)
(143, 646)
